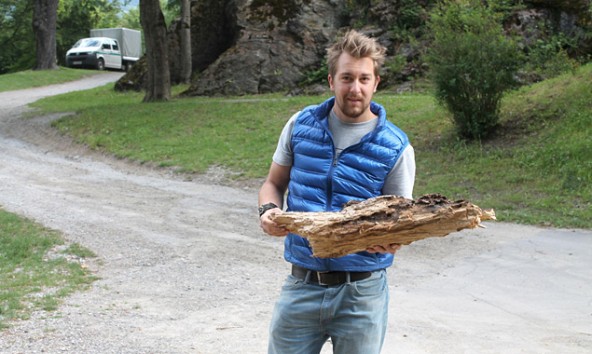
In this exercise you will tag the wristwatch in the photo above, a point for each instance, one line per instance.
(266, 207)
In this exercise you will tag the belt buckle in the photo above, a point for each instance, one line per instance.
(319, 274)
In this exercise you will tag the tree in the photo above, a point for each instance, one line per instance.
(45, 13)
(185, 41)
(158, 83)
(472, 64)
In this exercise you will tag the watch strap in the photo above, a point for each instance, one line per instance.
(265, 207)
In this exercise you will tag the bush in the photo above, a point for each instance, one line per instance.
(472, 64)
(548, 59)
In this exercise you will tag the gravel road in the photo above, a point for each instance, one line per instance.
(184, 268)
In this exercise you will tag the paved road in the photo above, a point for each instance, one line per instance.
(185, 269)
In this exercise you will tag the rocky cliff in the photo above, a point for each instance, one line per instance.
(260, 46)
(250, 47)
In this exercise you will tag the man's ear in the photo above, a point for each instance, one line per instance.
(330, 79)
(377, 82)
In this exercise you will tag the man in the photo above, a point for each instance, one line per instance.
(343, 149)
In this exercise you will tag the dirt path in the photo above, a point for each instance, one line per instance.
(185, 269)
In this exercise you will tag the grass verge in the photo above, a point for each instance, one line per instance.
(37, 269)
(36, 78)
(536, 170)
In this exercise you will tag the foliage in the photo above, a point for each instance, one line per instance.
(171, 9)
(16, 37)
(34, 272)
(395, 63)
(410, 19)
(548, 58)
(318, 76)
(472, 64)
(130, 18)
(505, 9)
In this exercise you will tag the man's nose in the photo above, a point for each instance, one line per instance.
(355, 87)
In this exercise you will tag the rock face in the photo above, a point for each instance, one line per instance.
(260, 46)
(213, 30)
(543, 18)
(574, 6)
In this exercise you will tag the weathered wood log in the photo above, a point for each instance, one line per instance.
(382, 221)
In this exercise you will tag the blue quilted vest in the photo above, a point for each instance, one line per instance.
(320, 182)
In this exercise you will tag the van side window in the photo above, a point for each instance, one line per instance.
(106, 46)
(115, 46)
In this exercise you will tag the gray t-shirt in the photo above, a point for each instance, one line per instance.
(398, 182)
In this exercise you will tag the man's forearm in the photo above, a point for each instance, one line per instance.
(270, 194)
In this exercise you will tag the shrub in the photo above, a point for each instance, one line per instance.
(472, 64)
(549, 59)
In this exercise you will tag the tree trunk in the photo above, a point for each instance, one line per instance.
(186, 42)
(158, 83)
(45, 13)
(382, 221)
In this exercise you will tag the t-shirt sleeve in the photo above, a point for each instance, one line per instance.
(401, 179)
(283, 154)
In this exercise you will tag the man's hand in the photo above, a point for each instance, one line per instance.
(268, 226)
(392, 248)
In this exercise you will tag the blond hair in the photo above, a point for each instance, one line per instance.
(358, 46)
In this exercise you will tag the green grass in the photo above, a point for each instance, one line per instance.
(188, 135)
(536, 170)
(36, 78)
(34, 271)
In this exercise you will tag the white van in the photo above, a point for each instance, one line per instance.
(95, 52)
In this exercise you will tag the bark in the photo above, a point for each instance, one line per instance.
(158, 84)
(186, 42)
(45, 14)
(381, 221)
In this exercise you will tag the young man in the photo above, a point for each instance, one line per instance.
(328, 154)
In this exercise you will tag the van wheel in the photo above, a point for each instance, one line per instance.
(128, 66)
(100, 64)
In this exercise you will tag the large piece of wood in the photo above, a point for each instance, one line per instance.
(381, 221)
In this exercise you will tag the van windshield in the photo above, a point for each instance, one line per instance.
(87, 42)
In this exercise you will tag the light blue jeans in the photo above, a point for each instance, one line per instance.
(354, 315)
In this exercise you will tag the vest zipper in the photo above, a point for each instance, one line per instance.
(330, 180)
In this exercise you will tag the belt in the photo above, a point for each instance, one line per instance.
(328, 278)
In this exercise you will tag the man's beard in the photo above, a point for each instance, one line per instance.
(353, 111)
